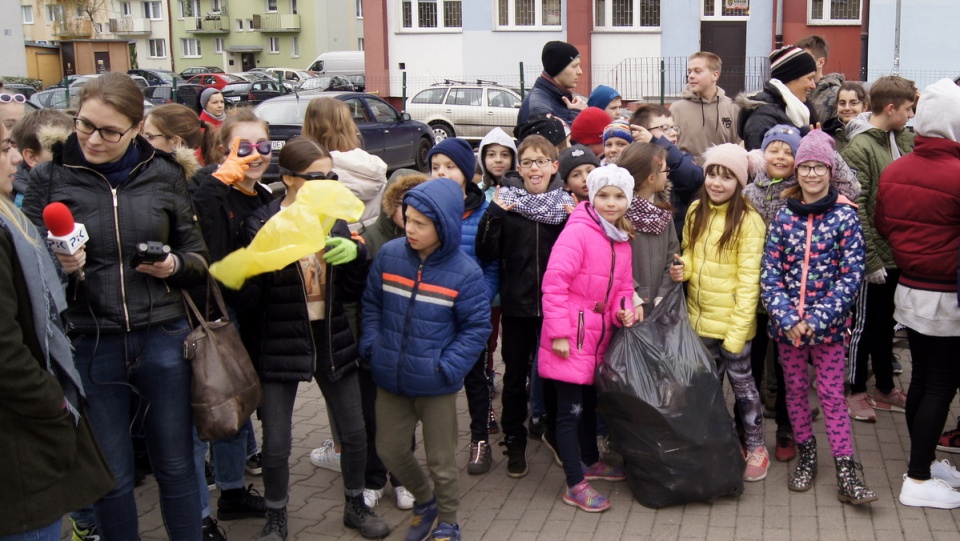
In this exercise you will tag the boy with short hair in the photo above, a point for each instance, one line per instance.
(704, 115)
(823, 99)
(26, 134)
(654, 124)
(426, 319)
(876, 140)
(518, 231)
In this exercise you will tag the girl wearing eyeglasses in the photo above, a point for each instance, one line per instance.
(127, 324)
(851, 102)
(296, 330)
(812, 265)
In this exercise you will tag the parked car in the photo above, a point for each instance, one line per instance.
(393, 136)
(157, 77)
(252, 93)
(65, 98)
(327, 83)
(197, 70)
(290, 74)
(466, 110)
(187, 94)
(215, 80)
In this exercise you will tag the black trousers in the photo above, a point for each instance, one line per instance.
(936, 377)
(479, 394)
(872, 336)
(520, 339)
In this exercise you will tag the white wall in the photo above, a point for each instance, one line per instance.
(928, 44)
(11, 39)
(622, 61)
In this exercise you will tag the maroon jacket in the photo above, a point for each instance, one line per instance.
(918, 212)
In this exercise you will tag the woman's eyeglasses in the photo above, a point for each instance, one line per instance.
(851, 103)
(806, 170)
(13, 98)
(109, 135)
(309, 176)
(245, 149)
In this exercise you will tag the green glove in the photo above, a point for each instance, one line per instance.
(340, 250)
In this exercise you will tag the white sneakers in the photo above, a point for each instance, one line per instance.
(326, 457)
(405, 499)
(371, 496)
(935, 493)
(945, 471)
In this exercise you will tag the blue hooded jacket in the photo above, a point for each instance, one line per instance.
(425, 323)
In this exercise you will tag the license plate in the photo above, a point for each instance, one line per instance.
(277, 145)
(233, 98)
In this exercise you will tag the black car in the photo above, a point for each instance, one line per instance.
(252, 93)
(197, 70)
(393, 136)
(17, 88)
(327, 83)
(157, 77)
(188, 95)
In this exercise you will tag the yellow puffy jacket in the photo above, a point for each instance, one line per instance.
(724, 289)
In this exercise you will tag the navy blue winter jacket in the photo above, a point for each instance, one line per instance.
(546, 97)
(425, 322)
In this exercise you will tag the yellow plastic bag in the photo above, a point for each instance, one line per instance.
(295, 232)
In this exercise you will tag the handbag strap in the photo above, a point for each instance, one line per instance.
(212, 286)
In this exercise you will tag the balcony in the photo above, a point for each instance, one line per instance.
(277, 22)
(210, 24)
(128, 26)
(73, 29)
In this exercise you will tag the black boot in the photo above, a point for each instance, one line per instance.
(212, 531)
(276, 527)
(358, 516)
(801, 479)
(516, 456)
(240, 503)
(849, 487)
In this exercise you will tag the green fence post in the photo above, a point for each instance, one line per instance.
(522, 90)
(663, 82)
(173, 93)
(403, 92)
(66, 91)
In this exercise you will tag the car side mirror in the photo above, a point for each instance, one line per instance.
(517, 105)
(405, 117)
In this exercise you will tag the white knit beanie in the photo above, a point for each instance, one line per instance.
(610, 175)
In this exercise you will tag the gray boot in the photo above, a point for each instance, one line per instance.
(358, 516)
(849, 487)
(801, 479)
(276, 527)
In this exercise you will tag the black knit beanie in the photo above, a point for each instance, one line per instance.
(556, 56)
(789, 62)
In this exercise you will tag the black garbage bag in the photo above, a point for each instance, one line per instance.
(660, 394)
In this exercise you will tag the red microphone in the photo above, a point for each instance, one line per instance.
(64, 236)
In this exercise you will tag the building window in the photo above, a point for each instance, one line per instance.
(190, 47)
(250, 24)
(216, 5)
(429, 14)
(239, 25)
(293, 6)
(294, 47)
(626, 14)
(726, 9)
(126, 9)
(359, 9)
(359, 44)
(271, 6)
(27, 12)
(838, 12)
(158, 48)
(218, 45)
(55, 13)
(274, 45)
(153, 11)
(528, 14)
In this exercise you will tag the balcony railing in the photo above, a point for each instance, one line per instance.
(74, 28)
(277, 22)
(210, 24)
(128, 26)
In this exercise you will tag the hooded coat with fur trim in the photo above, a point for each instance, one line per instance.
(152, 204)
(586, 270)
(762, 111)
(824, 281)
(426, 321)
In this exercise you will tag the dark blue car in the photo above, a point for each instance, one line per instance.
(393, 136)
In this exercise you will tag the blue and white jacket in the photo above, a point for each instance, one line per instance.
(425, 322)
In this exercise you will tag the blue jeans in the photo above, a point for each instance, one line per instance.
(229, 458)
(148, 364)
(47, 533)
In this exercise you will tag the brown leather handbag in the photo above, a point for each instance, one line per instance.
(225, 389)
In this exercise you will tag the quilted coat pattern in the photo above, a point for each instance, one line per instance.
(425, 322)
(578, 277)
(724, 289)
(827, 282)
(869, 153)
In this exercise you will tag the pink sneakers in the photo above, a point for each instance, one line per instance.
(601, 471)
(896, 400)
(583, 495)
(860, 408)
(758, 462)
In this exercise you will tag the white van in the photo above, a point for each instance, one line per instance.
(338, 63)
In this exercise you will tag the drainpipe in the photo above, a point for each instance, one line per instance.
(865, 41)
(170, 42)
(896, 43)
(778, 38)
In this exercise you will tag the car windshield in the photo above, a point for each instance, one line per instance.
(237, 87)
(57, 98)
(278, 111)
(230, 78)
(315, 83)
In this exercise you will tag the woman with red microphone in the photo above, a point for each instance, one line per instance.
(127, 321)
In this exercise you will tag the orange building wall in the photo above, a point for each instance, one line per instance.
(376, 56)
(844, 41)
(579, 26)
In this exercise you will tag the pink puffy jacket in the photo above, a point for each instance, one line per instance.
(587, 277)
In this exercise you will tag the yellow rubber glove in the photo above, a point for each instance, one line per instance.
(340, 250)
(234, 168)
